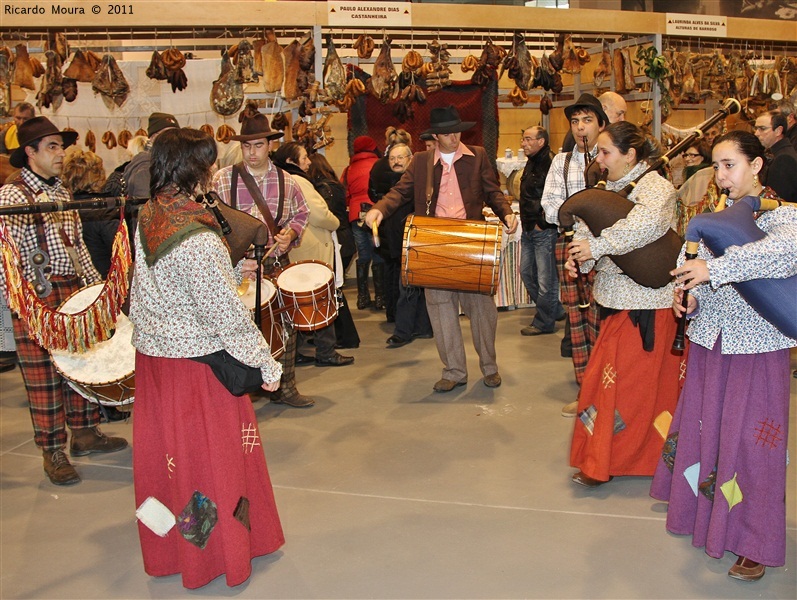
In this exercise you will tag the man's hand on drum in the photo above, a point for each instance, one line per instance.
(511, 223)
(284, 239)
(249, 269)
(271, 387)
(373, 216)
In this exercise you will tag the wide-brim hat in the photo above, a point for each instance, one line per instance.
(256, 128)
(446, 120)
(36, 129)
(587, 101)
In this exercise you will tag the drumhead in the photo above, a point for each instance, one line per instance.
(267, 293)
(106, 362)
(304, 277)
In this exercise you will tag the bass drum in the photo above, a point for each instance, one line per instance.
(105, 374)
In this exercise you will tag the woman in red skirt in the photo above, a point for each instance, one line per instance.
(632, 380)
(204, 497)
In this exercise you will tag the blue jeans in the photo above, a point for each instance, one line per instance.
(538, 271)
(364, 240)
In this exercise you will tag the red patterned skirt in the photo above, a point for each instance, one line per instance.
(197, 452)
(627, 399)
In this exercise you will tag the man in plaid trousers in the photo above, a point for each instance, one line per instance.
(53, 404)
(565, 178)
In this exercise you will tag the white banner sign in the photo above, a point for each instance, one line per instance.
(370, 14)
(700, 25)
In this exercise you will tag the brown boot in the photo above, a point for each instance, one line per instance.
(89, 440)
(58, 468)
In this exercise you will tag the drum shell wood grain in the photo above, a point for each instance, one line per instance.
(453, 254)
(308, 309)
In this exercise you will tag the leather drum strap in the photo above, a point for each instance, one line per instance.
(257, 194)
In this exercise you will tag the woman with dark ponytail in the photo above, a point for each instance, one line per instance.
(632, 380)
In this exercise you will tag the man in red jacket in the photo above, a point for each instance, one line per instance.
(463, 181)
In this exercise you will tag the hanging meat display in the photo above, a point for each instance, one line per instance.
(292, 69)
(91, 141)
(604, 69)
(79, 68)
(365, 46)
(124, 138)
(334, 73)
(306, 77)
(487, 69)
(23, 69)
(517, 63)
(110, 82)
(227, 92)
(273, 63)
(5, 86)
(56, 41)
(156, 69)
(174, 61)
(436, 71)
(279, 122)
(382, 84)
(245, 63)
(52, 90)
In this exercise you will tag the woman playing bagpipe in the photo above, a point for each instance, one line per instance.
(204, 497)
(723, 468)
(632, 381)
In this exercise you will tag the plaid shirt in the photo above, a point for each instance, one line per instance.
(23, 230)
(295, 212)
(553, 196)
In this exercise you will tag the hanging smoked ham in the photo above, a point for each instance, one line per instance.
(80, 69)
(273, 61)
(56, 41)
(604, 69)
(110, 82)
(227, 93)
(306, 64)
(383, 82)
(156, 69)
(245, 64)
(334, 73)
(51, 91)
(292, 69)
(23, 69)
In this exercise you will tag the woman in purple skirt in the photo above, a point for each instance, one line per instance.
(723, 468)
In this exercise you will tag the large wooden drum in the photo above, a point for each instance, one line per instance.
(451, 254)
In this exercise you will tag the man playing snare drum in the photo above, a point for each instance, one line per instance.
(463, 181)
(58, 237)
(288, 209)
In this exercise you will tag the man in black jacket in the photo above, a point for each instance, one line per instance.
(537, 262)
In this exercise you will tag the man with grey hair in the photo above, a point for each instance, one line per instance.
(538, 238)
(614, 105)
(787, 109)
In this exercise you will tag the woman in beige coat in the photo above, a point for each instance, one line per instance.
(316, 244)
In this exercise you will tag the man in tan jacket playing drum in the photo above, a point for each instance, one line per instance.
(462, 182)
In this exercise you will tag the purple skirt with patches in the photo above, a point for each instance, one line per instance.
(723, 468)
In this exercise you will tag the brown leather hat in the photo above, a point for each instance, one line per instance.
(256, 128)
(36, 129)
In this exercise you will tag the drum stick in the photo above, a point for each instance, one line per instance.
(270, 251)
(375, 230)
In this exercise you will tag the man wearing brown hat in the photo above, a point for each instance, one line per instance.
(258, 187)
(565, 178)
(136, 174)
(462, 182)
(56, 238)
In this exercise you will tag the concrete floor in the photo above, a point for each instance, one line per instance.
(387, 490)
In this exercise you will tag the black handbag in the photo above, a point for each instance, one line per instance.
(238, 378)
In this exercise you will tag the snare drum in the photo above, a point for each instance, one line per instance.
(104, 374)
(269, 323)
(307, 293)
(451, 254)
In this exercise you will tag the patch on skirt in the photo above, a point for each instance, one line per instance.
(241, 512)
(662, 423)
(707, 486)
(588, 416)
(732, 492)
(155, 516)
(669, 449)
(768, 434)
(619, 424)
(197, 520)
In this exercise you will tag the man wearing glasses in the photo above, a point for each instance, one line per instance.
(538, 239)
(770, 129)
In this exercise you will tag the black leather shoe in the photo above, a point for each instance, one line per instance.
(303, 359)
(422, 336)
(336, 360)
(395, 341)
